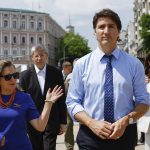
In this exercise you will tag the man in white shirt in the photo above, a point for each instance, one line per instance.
(36, 80)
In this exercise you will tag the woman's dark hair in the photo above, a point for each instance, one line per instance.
(107, 13)
(147, 64)
(4, 64)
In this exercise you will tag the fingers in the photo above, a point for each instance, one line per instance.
(118, 131)
(58, 96)
(103, 137)
(57, 89)
(105, 133)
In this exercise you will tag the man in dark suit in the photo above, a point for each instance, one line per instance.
(36, 80)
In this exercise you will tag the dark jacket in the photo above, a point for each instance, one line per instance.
(29, 83)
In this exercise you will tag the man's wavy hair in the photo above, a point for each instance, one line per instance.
(107, 13)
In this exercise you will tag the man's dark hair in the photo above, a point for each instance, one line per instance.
(107, 13)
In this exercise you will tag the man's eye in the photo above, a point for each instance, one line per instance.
(101, 27)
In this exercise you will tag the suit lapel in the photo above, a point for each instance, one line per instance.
(35, 79)
(48, 79)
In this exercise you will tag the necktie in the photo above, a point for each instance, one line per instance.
(108, 91)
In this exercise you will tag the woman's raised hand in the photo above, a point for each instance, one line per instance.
(53, 96)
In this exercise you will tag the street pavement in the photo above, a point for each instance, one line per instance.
(61, 146)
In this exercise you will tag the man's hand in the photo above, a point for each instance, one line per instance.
(119, 127)
(63, 128)
(102, 129)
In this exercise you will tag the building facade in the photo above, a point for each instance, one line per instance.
(22, 29)
(140, 7)
(122, 39)
(131, 46)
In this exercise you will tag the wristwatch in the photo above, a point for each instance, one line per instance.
(131, 121)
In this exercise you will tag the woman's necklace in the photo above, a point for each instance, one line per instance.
(10, 101)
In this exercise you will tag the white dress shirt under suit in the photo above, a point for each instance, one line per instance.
(41, 76)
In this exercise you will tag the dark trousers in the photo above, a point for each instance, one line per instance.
(43, 141)
(87, 140)
(49, 140)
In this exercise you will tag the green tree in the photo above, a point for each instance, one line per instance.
(72, 45)
(145, 31)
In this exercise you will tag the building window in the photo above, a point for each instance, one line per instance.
(40, 18)
(31, 25)
(23, 25)
(40, 40)
(23, 41)
(14, 24)
(40, 26)
(5, 15)
(23, 17)
(23, 52)
(5, 39)
(14, 16)
(14, 52)
(5, 52)
(32, 40)
(14, 40)
(5, 23)
(136, 37)
(32, 17)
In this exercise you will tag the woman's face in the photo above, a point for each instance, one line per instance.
(8, 84)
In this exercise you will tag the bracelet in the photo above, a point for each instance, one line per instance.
(49, 101)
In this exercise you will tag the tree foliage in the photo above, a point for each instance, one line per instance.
(145, 31)
(74, 45)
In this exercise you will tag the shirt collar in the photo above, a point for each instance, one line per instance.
(37, 69)
(100, 53)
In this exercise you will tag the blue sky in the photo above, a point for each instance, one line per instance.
(81, 12)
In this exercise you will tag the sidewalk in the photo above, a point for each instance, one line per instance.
(60, 140)
(61, 146)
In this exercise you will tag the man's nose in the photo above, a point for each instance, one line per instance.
(106, 29)
(39, 57)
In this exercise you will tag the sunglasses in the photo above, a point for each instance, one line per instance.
(9, 76)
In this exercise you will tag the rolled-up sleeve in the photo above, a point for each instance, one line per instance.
(140, 92)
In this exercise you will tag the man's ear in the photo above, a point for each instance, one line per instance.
(94, 33)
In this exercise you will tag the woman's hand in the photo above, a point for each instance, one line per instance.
(54, 95)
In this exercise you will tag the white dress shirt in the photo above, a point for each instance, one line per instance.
(41, 76)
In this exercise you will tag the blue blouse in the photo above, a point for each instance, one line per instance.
(13, 121)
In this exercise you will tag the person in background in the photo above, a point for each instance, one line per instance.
(36, 80)
(101, 91)
(144, 122)
(69, 135)
(66, 69)
(17, 108)
(142, 138)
